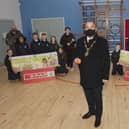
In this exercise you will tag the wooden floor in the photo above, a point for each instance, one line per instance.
(60, 104)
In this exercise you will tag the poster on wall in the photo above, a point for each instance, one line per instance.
(124, 58)
(30, 62)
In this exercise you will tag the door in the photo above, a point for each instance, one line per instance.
(51, 26)
(4, 28)
(126, 31)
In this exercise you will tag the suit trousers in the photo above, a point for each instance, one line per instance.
(94, 100)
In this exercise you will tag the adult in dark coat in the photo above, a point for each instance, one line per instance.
(35, 44)
(11, 37)
(68, 43)
(22, 48)
(94, 69)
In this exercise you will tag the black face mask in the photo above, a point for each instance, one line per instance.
(90, 32)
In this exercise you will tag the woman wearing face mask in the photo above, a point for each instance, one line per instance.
(68, 43)
(92, 51)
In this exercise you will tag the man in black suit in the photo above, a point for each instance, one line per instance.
(93, 52)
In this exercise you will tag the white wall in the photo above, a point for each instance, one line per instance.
(10, 9)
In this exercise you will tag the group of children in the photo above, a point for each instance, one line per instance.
(40, 45)
(37, 45)
(65, 52)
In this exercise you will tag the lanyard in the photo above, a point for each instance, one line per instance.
(88, 48)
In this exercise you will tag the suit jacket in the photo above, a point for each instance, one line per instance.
(94, 67)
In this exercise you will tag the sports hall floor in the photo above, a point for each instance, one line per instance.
(59, 104)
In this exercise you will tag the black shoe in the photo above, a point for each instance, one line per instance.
(121, 73)
(87, 115)
(113, 73)
(97, 123)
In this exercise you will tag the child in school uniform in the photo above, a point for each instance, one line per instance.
(45, 45)
(117, 68)
(35, 44)
(61, 69)
(11, 74)
(53, 44)
(22, 48)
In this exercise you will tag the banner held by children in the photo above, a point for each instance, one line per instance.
(30, 62)
(124, 58)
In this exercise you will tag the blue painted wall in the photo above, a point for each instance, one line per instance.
(69, 9)
(126, 6)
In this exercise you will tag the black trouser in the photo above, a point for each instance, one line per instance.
(94, 100)
(61, 69)
(12, 75)
(69, 54)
